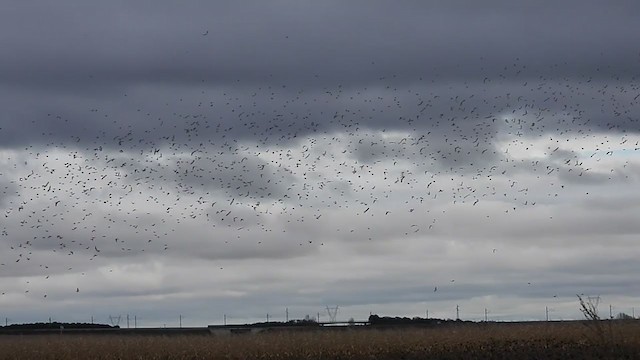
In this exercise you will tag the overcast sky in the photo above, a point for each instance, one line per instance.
(212, 158)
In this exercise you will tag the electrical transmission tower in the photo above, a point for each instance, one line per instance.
(115, 320)
(333, 312)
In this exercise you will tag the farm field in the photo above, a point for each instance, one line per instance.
(571, 340)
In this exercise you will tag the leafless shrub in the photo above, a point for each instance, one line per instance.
(601, 332)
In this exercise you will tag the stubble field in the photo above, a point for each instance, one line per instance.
(576, 340)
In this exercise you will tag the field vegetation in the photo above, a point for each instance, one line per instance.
(554, 340)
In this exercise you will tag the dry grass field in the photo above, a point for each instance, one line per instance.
(608, 340)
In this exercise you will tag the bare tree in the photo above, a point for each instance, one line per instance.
(601, 335)
(589, 307)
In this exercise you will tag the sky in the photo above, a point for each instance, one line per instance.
(212, 159)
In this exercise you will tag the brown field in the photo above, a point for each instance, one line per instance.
(575, 340)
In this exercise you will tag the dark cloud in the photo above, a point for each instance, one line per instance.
(357, 42)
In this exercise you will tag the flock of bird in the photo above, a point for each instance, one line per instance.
(247, 168)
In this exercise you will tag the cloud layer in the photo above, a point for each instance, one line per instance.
(224, 159)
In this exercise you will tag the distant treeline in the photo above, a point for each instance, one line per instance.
(373, 320)
(56, 325)
(305, 322)
(386, 320)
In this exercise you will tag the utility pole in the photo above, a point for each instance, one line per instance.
(457, 312)
(427, 314)
(318, 318)
(546, 310)
(267, 317)
(486, 318)
(6, 321)
(135, 321)
(127, 321)
(225, 319)
(286, 311)
(610, 311)
(92, 319)
(633, 312)
(180, 316)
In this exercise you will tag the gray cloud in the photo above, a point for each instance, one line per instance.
(121, 42)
